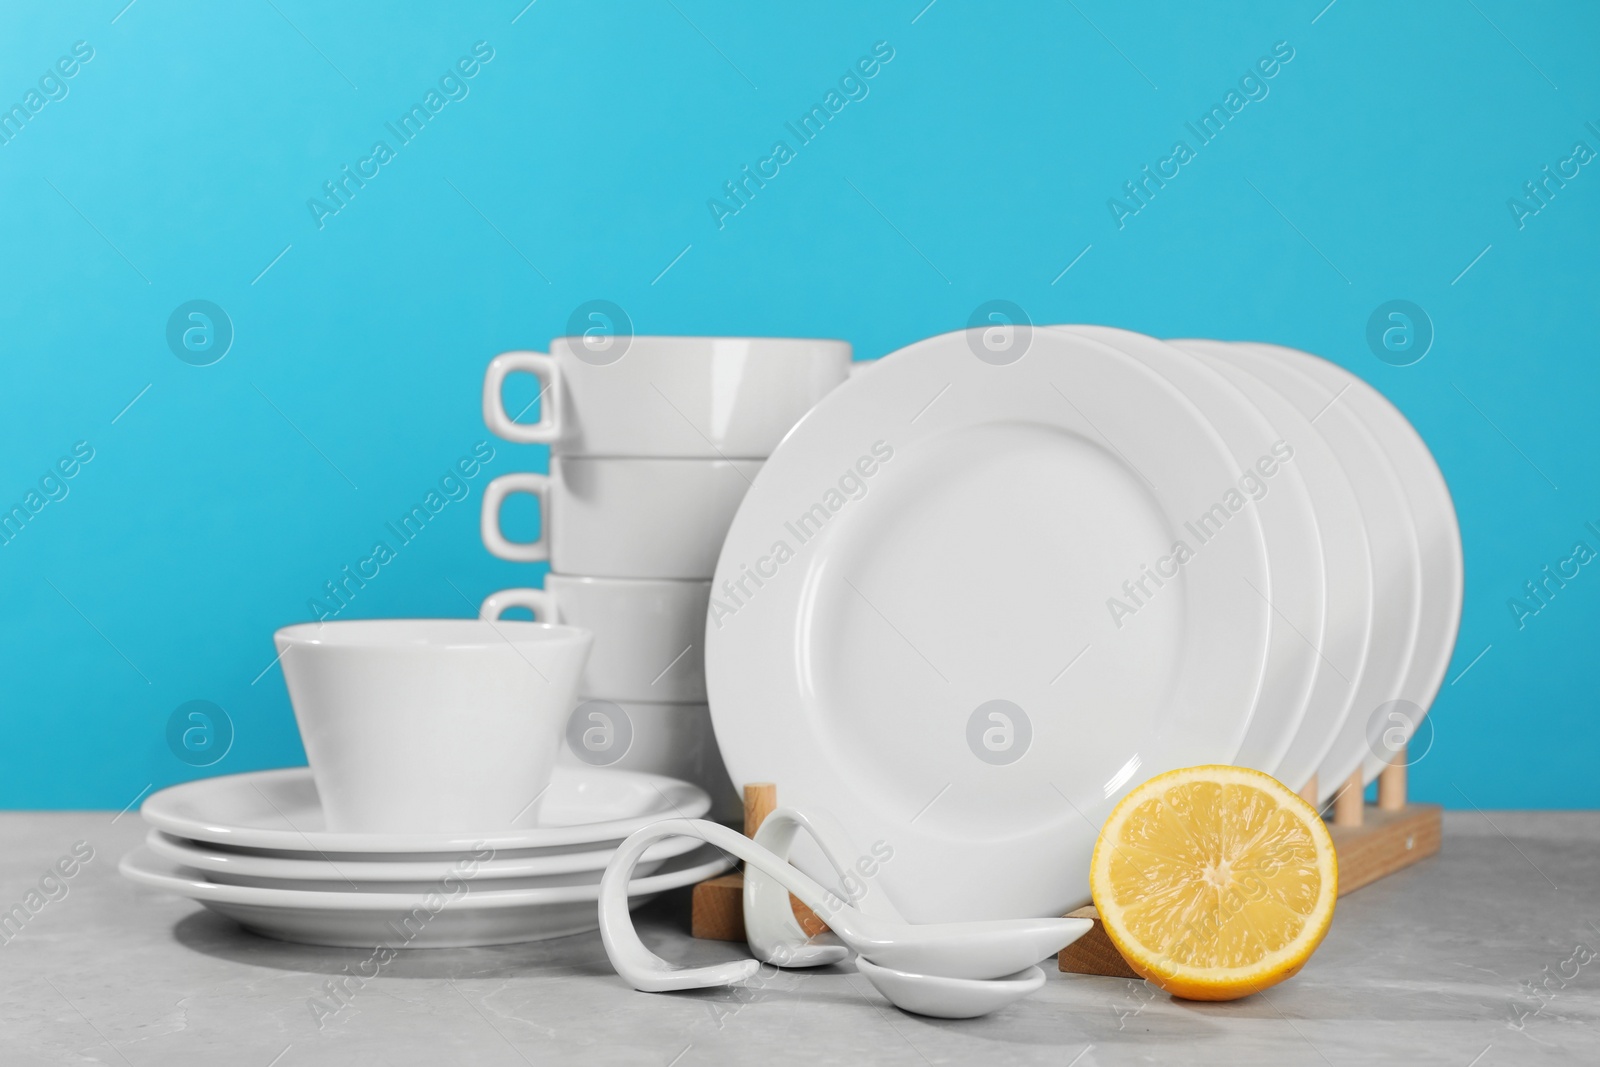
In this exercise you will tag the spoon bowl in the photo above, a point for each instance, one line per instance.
(949, 998)
(777, 937)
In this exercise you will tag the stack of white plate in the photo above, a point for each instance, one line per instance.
(252, 847)
(1007, 575)
(654, 442)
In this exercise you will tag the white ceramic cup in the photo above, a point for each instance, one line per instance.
(687, 397)
(671, 739)
(624, 518)
(431, 725)
(649, 633)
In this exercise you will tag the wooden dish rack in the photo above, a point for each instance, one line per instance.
(1371, 841)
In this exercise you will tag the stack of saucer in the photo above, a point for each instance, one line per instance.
(254, 847)
(654, 442)
(432, 814)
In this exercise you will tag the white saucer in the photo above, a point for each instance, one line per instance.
(955, 531)
(279, 810)
(222, 864)
(457, 914)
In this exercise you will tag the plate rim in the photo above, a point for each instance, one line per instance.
(1329, 783)
(1423, 674)
(1224, 352)
(1295, 646)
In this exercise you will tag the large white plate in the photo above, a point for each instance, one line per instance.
(456, 914)
(237, 867)
(946, 532)
(1342, 654)
(1439, 544)
(1391, 535)
(1273, 485)
(279, 810)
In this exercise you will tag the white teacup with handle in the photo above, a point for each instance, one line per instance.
(672, 739)
(624, 517)
(649, 633)
(700, 397)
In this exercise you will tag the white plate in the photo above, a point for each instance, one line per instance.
(279, 810)
(222, 864)
(1391, 535)
(1439, 543)
(945, 532)
(1343, 651)
(1272, 484)
(455, 915)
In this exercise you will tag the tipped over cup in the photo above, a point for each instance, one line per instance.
(431, 725)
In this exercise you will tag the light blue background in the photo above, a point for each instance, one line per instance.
(180, 163)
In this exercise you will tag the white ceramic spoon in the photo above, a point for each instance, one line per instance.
(996, 948)
(777, 937)
(950, 998)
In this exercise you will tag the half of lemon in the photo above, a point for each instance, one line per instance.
(1214, 882)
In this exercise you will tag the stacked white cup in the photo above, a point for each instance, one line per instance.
(653, 443)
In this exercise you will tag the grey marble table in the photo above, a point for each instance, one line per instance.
(1480, 956)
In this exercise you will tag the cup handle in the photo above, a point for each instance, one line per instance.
(538, 601)
(494, 495)
(543, 367)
